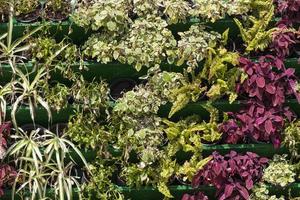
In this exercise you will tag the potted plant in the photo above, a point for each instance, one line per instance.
(279, 172)
(233, 175)
(57, 10)
(4, 11)
(27, 10)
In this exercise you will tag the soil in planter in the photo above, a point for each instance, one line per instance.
(118, 88)
(31, 127)
(61, 15)
(30, 17)
(59, 128)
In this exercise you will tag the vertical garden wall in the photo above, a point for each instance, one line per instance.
(150, 99)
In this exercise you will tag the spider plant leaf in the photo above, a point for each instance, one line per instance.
(32, 110)
(49, 61)
(4, 35)
(16, 147)
(78, 153)
(24, 38)
(60, 185)
(46, 106)
(22, 48)
(4, 47)
(14, 110)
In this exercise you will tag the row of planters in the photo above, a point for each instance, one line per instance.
(165, 135)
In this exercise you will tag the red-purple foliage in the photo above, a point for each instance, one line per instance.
(268, 80)
(232, 132)
(198, 196)
(233, 175)
(289, 10)
(257, 123)
(283, 40)
(7, 176)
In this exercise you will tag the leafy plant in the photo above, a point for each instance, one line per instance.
(58, 8)
(289, 11)
(266, 84)
(233, 175)
(102, 47)
(5, 130)
(25, 90)
(198, 196)
(258, 37)
(176, 10)
(23, 7)
(111, 16)
(100, 185)
(86, 131)
(283, 39)
(144, 8)
(279, 172)
(292, 137)
(41, 161)
(261, 192)
(195, 44)
(57, 96)
(147, 43)
(219, 71)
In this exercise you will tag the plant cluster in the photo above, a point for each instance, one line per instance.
(26, 6)
(279, 172)
(41, 158)
(261, 192)
(147, 43)
(233, 175)
(110, 16)
(263, 118)
(217, 78)
(291, 139)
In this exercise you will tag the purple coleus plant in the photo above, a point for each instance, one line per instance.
(283, 40)
(289, 11)
(256, 122)
(268, 80)
(233, 175)
(197, 196)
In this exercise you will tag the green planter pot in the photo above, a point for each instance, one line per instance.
(111, 71)
(151, 193)
(41, 117)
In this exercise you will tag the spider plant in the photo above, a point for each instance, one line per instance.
(42, 162)
(10, 50)
(25, 90)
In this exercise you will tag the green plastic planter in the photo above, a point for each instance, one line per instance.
(111, 71)
(151, 193)
(41, 117)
